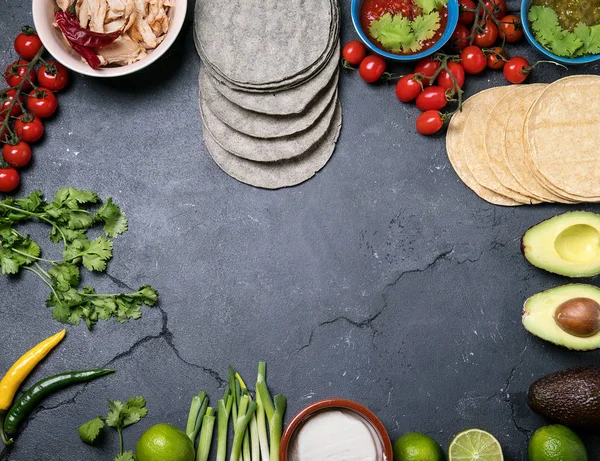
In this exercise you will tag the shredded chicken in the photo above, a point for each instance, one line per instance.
(143, 23)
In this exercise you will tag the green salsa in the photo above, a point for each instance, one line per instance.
(572, 12)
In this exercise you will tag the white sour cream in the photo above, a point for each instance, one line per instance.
(336, 435)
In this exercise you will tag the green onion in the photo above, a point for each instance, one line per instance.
(246, 410)
(276, 425)
(196, 415)
(224, 410)
(208, 424)
(260, 413)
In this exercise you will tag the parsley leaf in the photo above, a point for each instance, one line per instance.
(125, 456)
(430, 5)
(397, 32)
(115, 222)
(89, 431)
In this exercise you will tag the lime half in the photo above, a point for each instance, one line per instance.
(475, 445)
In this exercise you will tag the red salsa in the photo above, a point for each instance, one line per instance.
(372, 10)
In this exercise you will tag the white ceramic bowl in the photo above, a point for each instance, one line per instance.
(51, 37)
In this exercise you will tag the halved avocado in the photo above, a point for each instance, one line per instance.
(567, 244)
(567, 316)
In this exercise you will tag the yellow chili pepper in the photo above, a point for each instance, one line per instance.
(22, 367)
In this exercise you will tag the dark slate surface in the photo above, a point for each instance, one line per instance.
(383, 279)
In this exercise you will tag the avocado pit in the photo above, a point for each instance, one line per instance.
(579, 317)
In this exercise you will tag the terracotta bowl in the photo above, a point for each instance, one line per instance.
(330, 404)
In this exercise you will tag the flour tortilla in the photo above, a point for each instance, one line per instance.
(515, 154)
(456, 154)
(287, 102)
(259, 43)
(276, 175)
(494, 140)
(474, 142)
(261, 125)
(266, 150)
(563, 138)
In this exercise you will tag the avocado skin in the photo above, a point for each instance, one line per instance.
(570, 397)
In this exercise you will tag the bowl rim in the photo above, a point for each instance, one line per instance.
(452, 22)
(56, 49)
(326, 404)
(525, 5)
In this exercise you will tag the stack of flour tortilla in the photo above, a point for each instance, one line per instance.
(268, 87)
(528, 144)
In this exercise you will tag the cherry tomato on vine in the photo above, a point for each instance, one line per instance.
(27, 44)
(42, 102)
(54, 76)
(9, 179)
(17, 155)
(16, 72)
(429, 122)
(6, 98)
(354, 52)
(517, 69)
(408, 88)
(496, 58)
(511, 28)
(445, 79)
(29, 128)
(460, 37)
(487, 36)
(466, 17)
(432, 98)
(473, 60)
(427, 67)
(497, 8)
(372, 68)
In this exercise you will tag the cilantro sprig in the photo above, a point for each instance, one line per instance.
(71, 214)
(398, 33)
(120, 416)
(583, 40)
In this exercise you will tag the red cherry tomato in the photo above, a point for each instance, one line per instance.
(428, 68)
(17, 155)
(28, 128)
(27, 44)
(432, 98)
(6, 98)
(408, 88)
(511, 28)
(42, 102)
(517, 69)
(466, 17)
(460, 37)
(16, 72)
(473, 60)
(496, 7)
(372, 68)
(487, 36)
(54, 76)
(429, 122)
(445, 79)
(496, 58)
(354, 52)
(9, 179)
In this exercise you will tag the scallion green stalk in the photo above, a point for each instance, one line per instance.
(224, 410)
(196, 415)
(246, 411)
(276, 426)
(260, 414)
(206, 435)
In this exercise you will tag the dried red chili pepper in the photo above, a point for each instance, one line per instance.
(88, 54)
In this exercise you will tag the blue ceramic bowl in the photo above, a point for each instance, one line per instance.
(532, 41)
(452, 21)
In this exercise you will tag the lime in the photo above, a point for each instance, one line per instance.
(475, 445)
(417, 447)
(556, 443)
(164, 442)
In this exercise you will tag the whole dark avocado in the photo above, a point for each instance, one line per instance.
(570, 397)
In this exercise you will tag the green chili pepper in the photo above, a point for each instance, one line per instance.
(39, 391)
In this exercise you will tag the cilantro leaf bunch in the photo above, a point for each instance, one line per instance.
(398, 33)
(583, 40)
(120, 416)
(70, 215)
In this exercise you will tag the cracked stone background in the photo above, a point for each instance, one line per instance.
(383, 279)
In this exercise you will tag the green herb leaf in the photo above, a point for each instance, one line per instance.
(115, 221)
(34, 203)
(429, 5)
(425, 26)
(126, 456)
(589, 36)
(122, 414)
(92, 254)
(72, 198)
(89, 431)
(65, 276)
(568, 45)
(397, 32)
